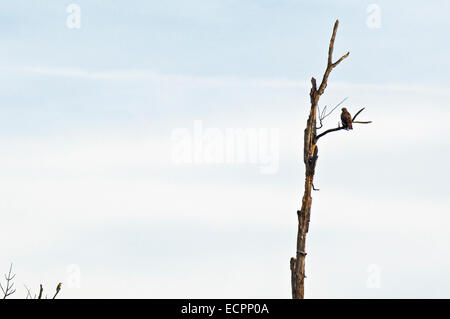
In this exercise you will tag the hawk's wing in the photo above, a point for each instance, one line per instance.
(346, 119)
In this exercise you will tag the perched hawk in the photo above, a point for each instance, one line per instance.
(346, 119)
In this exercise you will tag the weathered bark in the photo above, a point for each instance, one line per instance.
(310, 155)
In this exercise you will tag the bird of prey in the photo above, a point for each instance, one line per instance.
(346, 119)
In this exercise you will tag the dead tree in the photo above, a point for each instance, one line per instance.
(310, 155)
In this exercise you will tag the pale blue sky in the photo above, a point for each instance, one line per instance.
(244, 38)
(86, 117)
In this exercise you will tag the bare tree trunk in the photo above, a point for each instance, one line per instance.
(310, 155)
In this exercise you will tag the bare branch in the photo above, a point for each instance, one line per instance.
(8, 291)
(329, 131)
(58, 288)
(323, 115)
(357, 113)
(330, 64)
(313, 91)
(331, 46)
(340, 59)
(320, 118)
(28, 292)
(339, 127)
(324, 111)
(40, 291)
(313, 84)
(334, 108)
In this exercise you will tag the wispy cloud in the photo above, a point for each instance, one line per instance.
(214, 81)
(138, 75)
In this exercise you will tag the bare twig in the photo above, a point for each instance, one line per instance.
(323, 115)
(28, 293)
(329, 131)
(58, 288)
(324, 111)
(334, 108)
(8, 291)
(357, 113)
(330, 64)
(41, 289)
